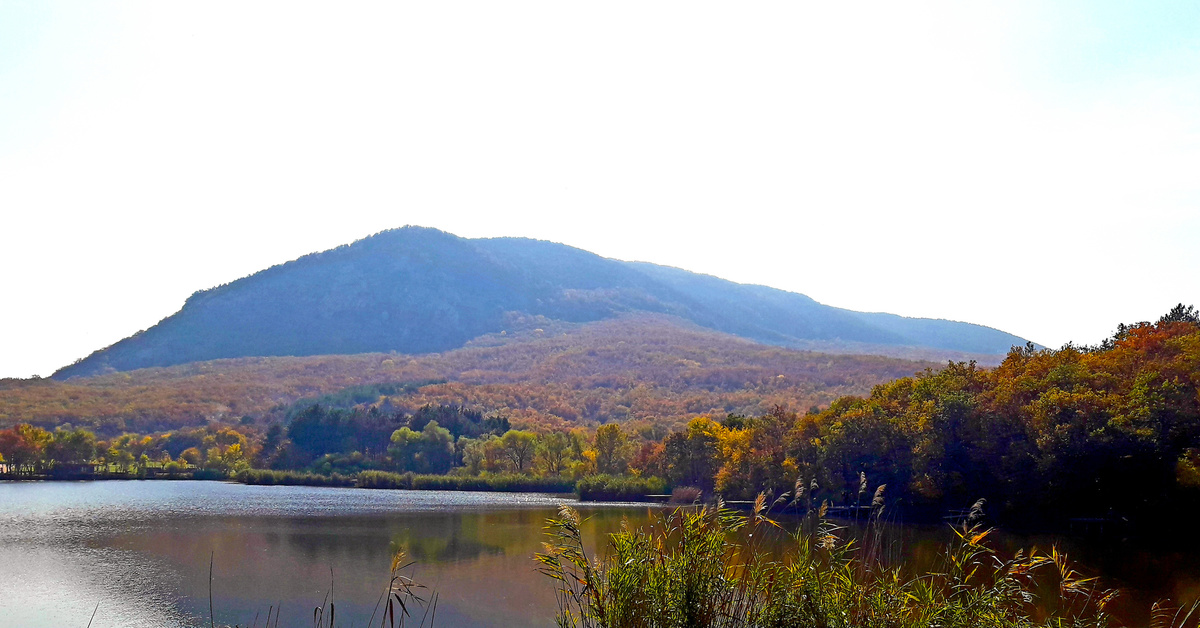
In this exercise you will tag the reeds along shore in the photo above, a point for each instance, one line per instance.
(706, 567)
(410, 481)
(591, 488)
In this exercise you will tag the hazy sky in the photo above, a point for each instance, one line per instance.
(1032, 166)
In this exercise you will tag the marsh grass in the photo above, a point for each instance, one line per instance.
(618, 488)
(403, 593)
(268, 477)
(591, 488)
(505, 482)
(410, 481)
(710, 567)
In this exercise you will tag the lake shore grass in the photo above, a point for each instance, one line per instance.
(590, 488)
(506, 482)
(191, 474)
(411, 481)
(708, 567)
(610, 488)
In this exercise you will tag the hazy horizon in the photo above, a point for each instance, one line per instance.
(1021, 165)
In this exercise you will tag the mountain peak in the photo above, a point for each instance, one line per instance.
(419, 290)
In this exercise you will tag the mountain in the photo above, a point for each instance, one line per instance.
(419, 290)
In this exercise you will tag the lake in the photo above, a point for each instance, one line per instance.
(141, 550)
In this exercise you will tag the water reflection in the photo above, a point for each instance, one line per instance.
(141, 550)
(1143, 571)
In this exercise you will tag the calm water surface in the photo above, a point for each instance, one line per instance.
(141, 550)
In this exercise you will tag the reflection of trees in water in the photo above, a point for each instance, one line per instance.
(447, 537)
(347, 540)
(425, 537)
(440, 548)
(453, 537)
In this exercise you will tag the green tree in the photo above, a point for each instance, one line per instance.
(72, 447)
(519, 448)
(482, 454)
(554, 452)
(692, 457)
(1181, 314)
(429, 451)
(612, 449)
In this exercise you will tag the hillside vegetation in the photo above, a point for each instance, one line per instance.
(539, 373)
(416, 290)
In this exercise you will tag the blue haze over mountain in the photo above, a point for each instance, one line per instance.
(419, 290)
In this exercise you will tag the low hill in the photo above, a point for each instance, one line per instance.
(416, 290)
(639, 367)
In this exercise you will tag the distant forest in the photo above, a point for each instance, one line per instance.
(1109, 431)
(540, 374)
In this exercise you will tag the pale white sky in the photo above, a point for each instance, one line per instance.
(1032, 166)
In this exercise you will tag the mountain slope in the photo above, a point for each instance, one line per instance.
(643, 367)
(418, 290)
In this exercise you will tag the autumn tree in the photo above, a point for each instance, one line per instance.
(22, 448)
(612, 449)
(72, 447)
(192, 457)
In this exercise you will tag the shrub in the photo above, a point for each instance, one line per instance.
(686, 495)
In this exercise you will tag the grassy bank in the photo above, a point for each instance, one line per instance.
(411, 481)
(512, 483)
(268, 477)
(710, 567)
(591, 488)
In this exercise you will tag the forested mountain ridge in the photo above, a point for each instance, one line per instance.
(419, 290)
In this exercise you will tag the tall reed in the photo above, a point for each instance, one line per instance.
(706, 567)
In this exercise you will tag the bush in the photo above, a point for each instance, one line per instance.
(686, 495)
(614, 488)
(174, 469)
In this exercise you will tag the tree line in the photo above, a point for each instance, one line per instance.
(1111, 430)
(28, 451)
